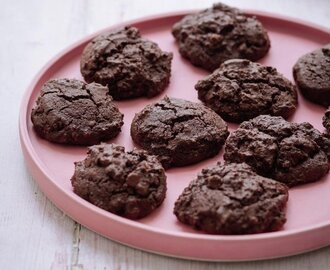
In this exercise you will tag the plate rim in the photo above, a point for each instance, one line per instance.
(31, 156)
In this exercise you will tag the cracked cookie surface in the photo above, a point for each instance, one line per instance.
(214, 35)
(69, 111)
(127, 64)
(179, 132)
(240, 90)
(287, 152)
(129, 184)
(232, 199)
(312, 75)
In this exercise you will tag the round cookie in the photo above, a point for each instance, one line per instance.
(129, 184)
(312, 75)
(232, 199)
(179, 132)
(326, 120)
(214, 35)
(69, 111)
(127, 64)
(240, 90)
(287, 152)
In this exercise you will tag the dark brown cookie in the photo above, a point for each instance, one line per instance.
(288, 152)
(179, 132)
(130, 184)
(312, 75)
(129, 65)
(232, 199)
(69, 111)
(326, 120)
(240, 90)
(214, 35)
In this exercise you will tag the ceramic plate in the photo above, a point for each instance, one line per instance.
(308, 209)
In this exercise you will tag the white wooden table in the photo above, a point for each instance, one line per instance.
(34, 234)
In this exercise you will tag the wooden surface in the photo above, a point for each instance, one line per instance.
(34, 234)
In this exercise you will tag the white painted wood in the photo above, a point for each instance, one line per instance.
(34, 234)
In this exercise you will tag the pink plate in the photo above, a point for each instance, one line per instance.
(308, 211)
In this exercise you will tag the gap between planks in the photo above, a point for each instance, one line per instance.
(74, 264)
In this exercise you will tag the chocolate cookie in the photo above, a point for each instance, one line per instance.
(69, 111)
(214, 35)
(312, 75)
(288, 152)
(232, 199)
(129, 65)
(326, 120)
(179, 132)
(240, 90)
(130, 184)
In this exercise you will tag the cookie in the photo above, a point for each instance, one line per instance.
(240, 90)
(69, 111)
(287, 152)
(129, 184)
(312, 75)
(326, 120)
(232, 199)
(214, 35)
(127, 64)
(179, 132)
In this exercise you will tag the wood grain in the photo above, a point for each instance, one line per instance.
(34, 234)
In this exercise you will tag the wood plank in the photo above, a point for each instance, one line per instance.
(34, 234)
